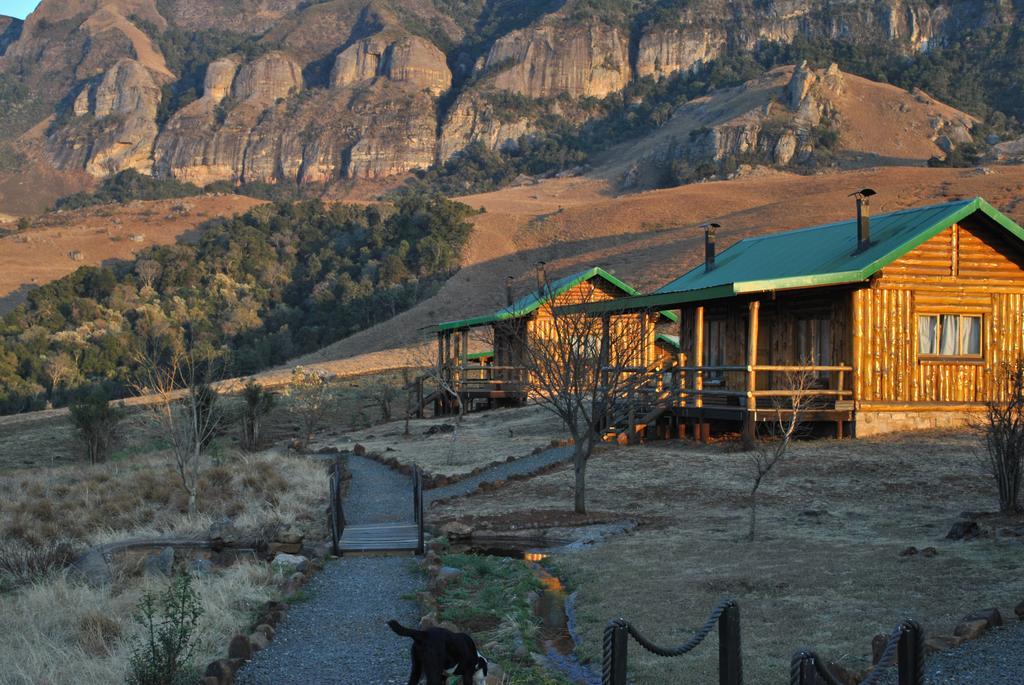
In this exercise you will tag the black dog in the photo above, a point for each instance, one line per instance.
(439, 653)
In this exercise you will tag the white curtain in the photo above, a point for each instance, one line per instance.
(926, 334)
(949, 335)
(970, 335)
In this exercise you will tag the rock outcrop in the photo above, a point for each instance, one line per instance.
(115, 124)
(473, 119)
(590, 59)
(406, 59)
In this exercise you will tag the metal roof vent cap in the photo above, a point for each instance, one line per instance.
(863, 197)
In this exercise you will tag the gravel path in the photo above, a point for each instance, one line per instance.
(995, 659)
(338, 636)
(519, 467)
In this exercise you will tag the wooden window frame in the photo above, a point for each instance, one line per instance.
(950, 358)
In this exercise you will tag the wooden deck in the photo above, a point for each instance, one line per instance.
(379, 538)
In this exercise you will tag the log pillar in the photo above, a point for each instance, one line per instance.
(750, 415)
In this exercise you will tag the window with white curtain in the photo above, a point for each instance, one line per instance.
(949, 335)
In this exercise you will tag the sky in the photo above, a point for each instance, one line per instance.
(17, 8)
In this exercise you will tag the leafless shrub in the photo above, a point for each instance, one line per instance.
(310, 397)
(1002, 426)
(177, 374)
(22, 563)
(258, 404)
(790, 412)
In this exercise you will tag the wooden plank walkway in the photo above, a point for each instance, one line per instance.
(380, 537)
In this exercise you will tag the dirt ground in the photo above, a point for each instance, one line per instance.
(826, 570)
(481, 439)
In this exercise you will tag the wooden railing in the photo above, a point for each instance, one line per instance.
(692, 385)
(489, 377)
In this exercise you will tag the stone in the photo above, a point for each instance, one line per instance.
(289, 563)
(290, 548)
(940, 643)
(909, 551)
(160, 564)
(929, 552)
(456, 530)
(258, 641)
(964, 530)
(290, 534)
(444, 576)
(221, 671)
(971, 630)
(359, 450)
(200, 567)
(267, 630)
(294, 583)
(991, 616)
(878, 643)
(93, 568)
(222, 533)
(1019, 610)
(239, 648)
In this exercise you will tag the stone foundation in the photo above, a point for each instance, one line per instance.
(870, 423)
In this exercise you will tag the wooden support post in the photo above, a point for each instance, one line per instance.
(603, 357)
(645, 356)
(750, 415)
(465, 354)
(730, 657)
(698, 354)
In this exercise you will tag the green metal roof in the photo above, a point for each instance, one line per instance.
(476, 356)
(808, 257)
(670, 340)
(532, 302)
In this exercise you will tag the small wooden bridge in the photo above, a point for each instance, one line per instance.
(375, 538)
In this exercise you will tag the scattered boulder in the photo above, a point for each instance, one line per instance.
(220, 672)
(267, 630)
(93, 568)
(964, 530)
(1019, 610)
(258, 641)
(359, 450)
(929, 552)
(444, 576)
(289, 563)
(909, 552)
(440, 428)
(991, 616)
(294, 582)
(878, 643)
(971, 630)
(200, 567)
(940, 643)
(240, 648)
(160, 564)
(455, 530)
(222, 533)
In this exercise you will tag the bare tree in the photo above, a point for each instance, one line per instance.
(176, 377)
(148, 271)
(1002, 426)
(60, 368)
(581, 368)
(310, 398)
(790, 413)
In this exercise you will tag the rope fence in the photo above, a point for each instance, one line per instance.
(905, 647)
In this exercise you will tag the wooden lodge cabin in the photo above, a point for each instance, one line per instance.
(904, 320)
(498, 376)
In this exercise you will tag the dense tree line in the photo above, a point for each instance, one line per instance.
(281, 280)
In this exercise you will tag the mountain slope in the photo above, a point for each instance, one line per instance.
(343, 91)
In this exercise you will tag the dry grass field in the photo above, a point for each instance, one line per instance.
(826, 570)
(481, 439)
(53, 504)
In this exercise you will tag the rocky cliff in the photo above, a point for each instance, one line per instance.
(349, 89)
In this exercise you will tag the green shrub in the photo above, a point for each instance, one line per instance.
(96, 420)
(163, 655)
(258, 404)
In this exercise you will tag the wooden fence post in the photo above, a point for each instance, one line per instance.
(730, 659)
